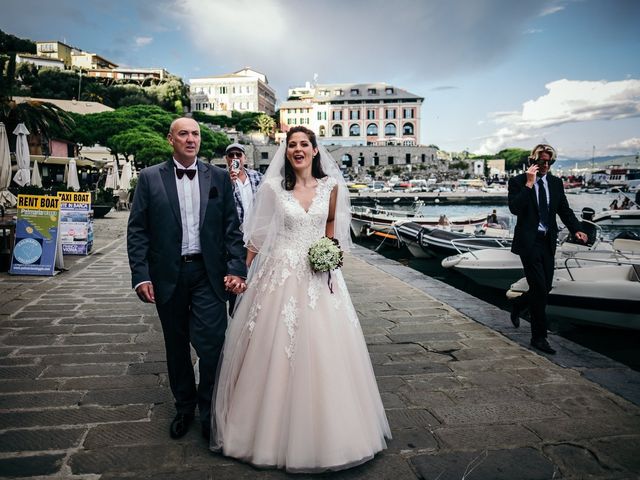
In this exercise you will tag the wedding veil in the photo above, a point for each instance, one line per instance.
(266, 220)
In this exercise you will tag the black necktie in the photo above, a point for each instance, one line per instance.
(181, 171)
(543, 206)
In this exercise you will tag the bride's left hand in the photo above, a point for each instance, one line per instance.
(235, 284)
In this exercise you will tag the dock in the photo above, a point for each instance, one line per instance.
(84, 391)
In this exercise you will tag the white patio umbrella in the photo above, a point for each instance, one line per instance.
(112, 177)
(6, 197)
(72, 178)
(125, 178)
(36, 179)
(22, 177)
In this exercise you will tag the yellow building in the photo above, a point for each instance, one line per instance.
(55, 49)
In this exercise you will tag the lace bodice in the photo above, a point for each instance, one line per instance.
(302, 228)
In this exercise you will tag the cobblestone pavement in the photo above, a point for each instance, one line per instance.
(84, 394)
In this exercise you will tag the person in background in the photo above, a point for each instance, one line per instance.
(535, 198)
(245, 185)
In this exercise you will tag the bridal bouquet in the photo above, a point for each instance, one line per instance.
(325, 255)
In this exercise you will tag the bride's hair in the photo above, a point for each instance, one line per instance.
(316, 168)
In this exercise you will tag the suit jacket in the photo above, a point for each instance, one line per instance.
(154, 234)
(254, 180)
(523, 203)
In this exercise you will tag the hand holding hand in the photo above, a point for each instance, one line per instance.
(532, 172)
(234, 284)
(145, 292)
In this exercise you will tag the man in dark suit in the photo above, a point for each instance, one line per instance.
(185, 250)
(536, 197)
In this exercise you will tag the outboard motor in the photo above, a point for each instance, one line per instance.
(588, 213)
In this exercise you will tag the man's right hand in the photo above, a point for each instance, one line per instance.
(532, 172)
(145, 292)
(233, 174)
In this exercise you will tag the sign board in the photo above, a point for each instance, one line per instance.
(76, 223)
(34, 252)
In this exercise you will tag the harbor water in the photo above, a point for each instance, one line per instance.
(620, 345)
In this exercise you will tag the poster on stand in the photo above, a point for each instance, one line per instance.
(76, 223)
(34, 251)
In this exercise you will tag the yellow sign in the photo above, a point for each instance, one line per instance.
(75, 197)
(38, 202)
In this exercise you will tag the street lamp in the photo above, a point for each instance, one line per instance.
(79, 83)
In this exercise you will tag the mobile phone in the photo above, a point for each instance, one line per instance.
(235, 165)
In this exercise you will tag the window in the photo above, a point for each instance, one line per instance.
(407, 129)
(372, 130)
(372, 91)
(264, 155)
(293, 121)
(388, 90)
(376, 159)
(355, 91)
(354, 114)
(354, 130)
(390, 114)
(248, 89)
(407, 113)
(371, 114)
(338, 92)
(407, 158)
(233, 90)
(223, 89)
(390, 130)
(336, 115)
(319, 115)
(424, 158)
(389, 160)
(337, 130)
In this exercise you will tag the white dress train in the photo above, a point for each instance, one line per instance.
(296, 388)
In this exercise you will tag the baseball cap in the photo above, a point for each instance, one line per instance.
(234, 146)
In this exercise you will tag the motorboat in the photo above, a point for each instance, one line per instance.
(618, 218)
(429, 242)
(364, 219)
(607, 294)
(499, 267)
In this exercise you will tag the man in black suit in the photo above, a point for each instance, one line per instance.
(185, 251)
(536, 197)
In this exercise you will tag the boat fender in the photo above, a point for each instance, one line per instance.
(451, 261)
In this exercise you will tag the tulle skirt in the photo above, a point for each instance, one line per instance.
(295, 386)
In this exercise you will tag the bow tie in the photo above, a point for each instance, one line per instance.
(180, 172)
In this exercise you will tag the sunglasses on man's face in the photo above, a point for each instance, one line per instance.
(234, 154)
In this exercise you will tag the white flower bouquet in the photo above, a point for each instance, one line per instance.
(325, 255)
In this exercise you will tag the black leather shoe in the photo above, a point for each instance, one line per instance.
(542, 345)
(515, 315)
(180, 425)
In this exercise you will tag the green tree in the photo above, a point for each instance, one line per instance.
(266, 124)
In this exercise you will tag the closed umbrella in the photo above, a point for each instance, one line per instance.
(112, 177)
(6, 197)
(22, 177)
(72, 177)
(36, 179)
(125, 178)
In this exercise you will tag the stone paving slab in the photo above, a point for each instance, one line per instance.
(84, 393)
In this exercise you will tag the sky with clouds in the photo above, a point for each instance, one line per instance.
(494, 73)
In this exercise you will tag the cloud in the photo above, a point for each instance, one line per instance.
(142, 41)
(551, 9)
(630, 145)
(566, 101)
(443, 87)
(531, 31)
(350, 41)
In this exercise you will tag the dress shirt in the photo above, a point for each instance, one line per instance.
(541, 227)
(246, 193)
(189, 199)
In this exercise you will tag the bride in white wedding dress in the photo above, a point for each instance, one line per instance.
(295, 387)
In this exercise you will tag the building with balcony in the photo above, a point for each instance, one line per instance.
(55, 49)
(355, 114)
(244, 91)
(134, 75)
(89, 61)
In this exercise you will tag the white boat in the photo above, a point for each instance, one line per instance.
(605, 294)
(618, 218)
(499, 267)
(364, 219)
